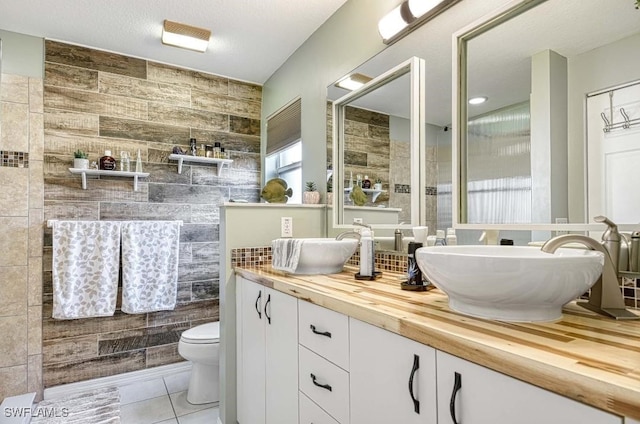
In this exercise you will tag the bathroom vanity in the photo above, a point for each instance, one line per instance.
(330, 349)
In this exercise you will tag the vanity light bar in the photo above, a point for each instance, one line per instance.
(408, 16)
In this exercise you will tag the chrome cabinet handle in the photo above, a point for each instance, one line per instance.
(323, 386)
(265, 308)
(320, 333)
(258, 309)
(416, 366)
(457, 385)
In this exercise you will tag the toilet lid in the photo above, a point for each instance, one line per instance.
(205, 333)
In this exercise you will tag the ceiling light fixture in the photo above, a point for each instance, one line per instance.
(185, 36)
(353, 81)
(409, 16)
(478, 100)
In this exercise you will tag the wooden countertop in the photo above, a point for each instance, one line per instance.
(586, 357)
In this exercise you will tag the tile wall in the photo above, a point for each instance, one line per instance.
(97, 101)
(21, 217)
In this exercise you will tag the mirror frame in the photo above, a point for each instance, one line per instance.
(460, 121)
(415, 67)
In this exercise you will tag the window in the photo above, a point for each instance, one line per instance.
(287, 164)
(284, 148)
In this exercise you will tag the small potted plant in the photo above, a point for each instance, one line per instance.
(80, 160)
(378, 184)
(311, 195)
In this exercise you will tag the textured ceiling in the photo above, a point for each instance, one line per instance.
(250, 40)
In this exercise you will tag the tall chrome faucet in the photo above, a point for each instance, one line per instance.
(606, 297)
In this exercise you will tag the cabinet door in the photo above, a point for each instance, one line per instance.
(393, 379)
(483, 396)
(281, 314)
(253, 353)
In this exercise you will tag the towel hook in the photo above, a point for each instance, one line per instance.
(607, 124)
(627, 121)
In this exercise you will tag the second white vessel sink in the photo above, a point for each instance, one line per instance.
(324, 255)
(510, 283)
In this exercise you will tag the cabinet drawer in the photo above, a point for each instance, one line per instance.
(324, 383)
(325, 332)
(310, 413)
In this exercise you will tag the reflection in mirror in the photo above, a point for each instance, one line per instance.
(378, 131)
(520, 155)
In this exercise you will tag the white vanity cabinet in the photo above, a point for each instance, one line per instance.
(393, 378)
(470, 394)
(267, 355)
(324, 363)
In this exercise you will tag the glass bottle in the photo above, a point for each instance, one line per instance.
(107, 162)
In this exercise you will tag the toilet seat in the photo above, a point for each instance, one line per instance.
(202, 334)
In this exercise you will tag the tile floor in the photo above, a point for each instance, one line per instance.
(163, 401)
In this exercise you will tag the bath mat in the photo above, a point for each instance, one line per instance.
(101, 406)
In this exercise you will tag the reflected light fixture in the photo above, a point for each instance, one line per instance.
(353, 81)
(408, 16)
(185, 36)
(478, 100)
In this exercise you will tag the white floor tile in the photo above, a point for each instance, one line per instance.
(143, 390)
(147, 411)
(178, 382)
(182, 407)
(206, 416)
(171, 421)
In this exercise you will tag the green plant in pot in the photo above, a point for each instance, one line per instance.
(378, 184)
(80, 159)
(311, 195)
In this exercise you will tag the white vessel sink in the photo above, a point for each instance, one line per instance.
(324, 255)
(510, 283)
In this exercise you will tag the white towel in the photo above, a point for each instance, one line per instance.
(149, 265)
(86, 258)
(285, 254)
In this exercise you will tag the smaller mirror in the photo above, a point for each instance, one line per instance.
(358, 111)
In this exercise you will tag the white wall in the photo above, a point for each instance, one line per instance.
(22, 54)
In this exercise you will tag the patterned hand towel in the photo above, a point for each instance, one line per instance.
(86, 257)
(285, 254)
(149, 265)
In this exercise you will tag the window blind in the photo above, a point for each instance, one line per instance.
(283, 128)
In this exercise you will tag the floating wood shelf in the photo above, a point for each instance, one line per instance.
(199, 159)
(375, 193)
(99, 172)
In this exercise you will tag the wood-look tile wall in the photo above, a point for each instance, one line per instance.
(97, 101)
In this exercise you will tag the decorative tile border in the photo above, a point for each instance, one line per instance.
(14, 159)
(402, 188)
(431, 191)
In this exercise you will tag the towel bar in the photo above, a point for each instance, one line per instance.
(50, 222)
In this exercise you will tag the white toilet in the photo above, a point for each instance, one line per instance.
(200, 346)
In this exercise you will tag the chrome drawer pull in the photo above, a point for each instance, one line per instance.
(323, 386)
(320, 333)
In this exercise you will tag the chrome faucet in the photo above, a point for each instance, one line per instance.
(606, 297)
(611, 240)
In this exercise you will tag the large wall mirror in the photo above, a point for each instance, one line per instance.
(378, 140)
(547, 116)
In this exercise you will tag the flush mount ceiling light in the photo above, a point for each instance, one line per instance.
(409, 16)
(478, 100)
(353, 81)
(185, 36)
